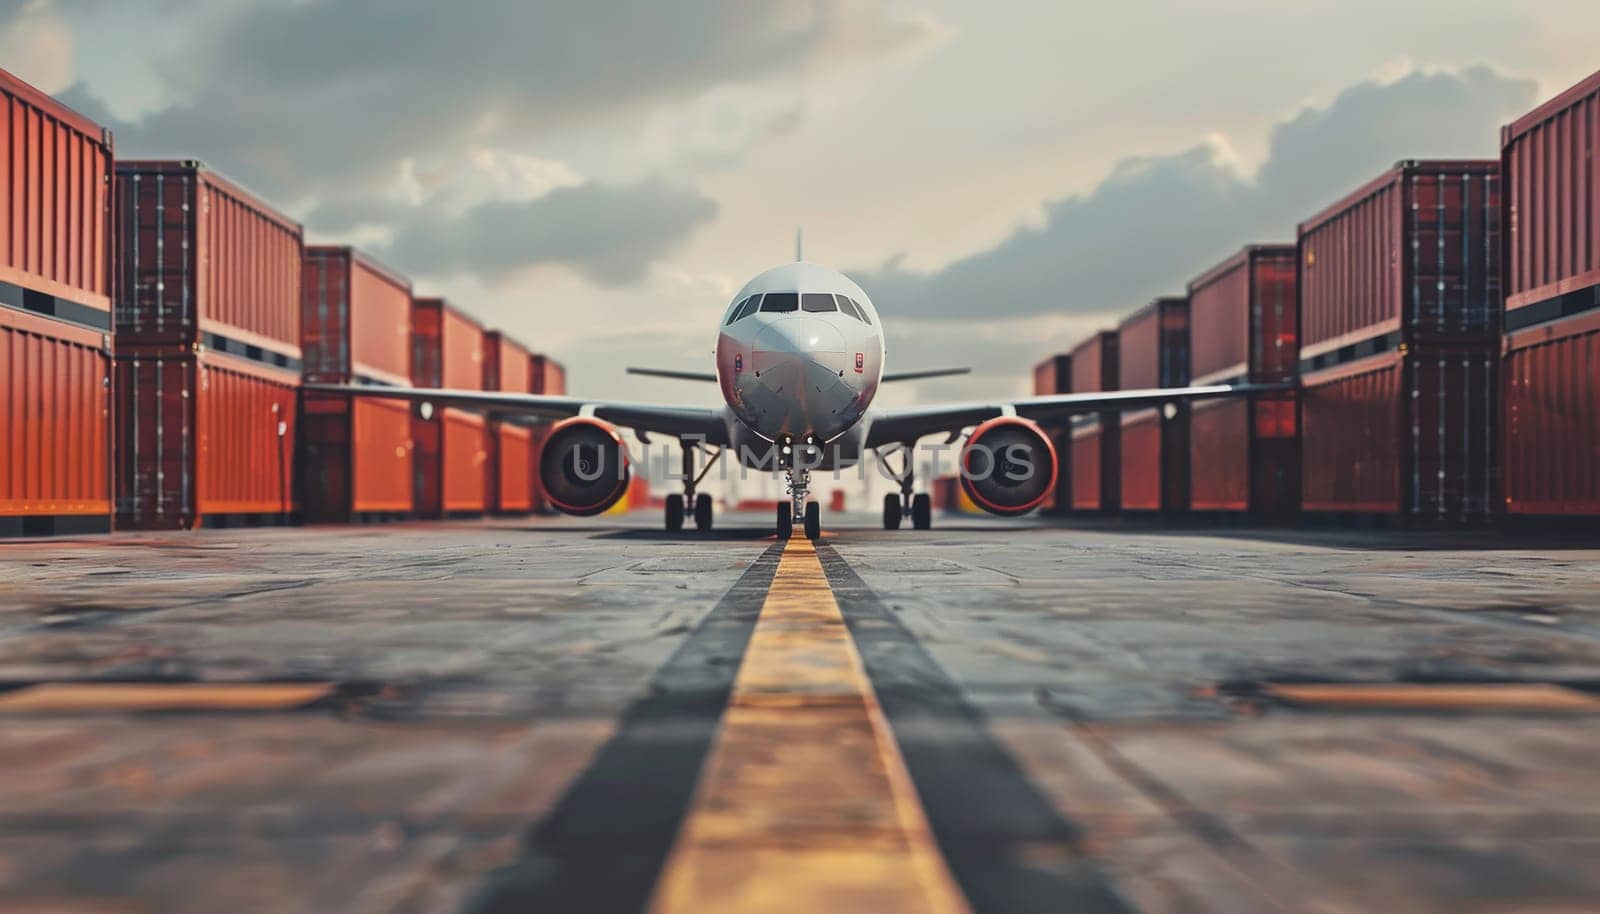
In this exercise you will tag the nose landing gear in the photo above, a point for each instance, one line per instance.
(799, 510)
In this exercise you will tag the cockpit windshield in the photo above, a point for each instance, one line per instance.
(780, 302)
(817, 302)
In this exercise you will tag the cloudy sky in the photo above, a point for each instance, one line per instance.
(599, 176)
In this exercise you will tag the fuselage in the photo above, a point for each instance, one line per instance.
(800, 354)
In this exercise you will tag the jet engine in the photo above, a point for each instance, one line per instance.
(584, 466)
(1008, 466)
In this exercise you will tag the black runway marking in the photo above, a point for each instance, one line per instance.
(1005, 844)
(602, 846)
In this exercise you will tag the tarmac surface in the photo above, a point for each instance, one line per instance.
(563, 715)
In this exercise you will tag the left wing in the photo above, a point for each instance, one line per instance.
(679, 421)
(905, 426)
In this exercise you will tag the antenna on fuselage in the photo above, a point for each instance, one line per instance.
(799, 245)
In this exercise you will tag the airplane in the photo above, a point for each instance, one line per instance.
(799, 358)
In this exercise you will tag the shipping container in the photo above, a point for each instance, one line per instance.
(1403, 433)
(1153, 351)
(199, 261)
(55, 316)
(1054, 376)
(55, 235)
(452, 450)
(355, 320)
(203, 438)
(1550, 446)
(1411, 257)
(508, 366)
(1243, 317)
(549, 379)
(1096, 438)
(55, 408)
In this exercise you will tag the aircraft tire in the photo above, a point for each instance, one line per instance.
(674, 513)
(922, 511)
(702, 512)
(813, 521)
(891, 512)
(785, 520)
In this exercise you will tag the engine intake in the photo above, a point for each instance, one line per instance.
(1008, 466)
(584, 466)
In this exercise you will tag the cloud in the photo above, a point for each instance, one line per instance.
(1155, 222)
(610, 234)
(36, 44)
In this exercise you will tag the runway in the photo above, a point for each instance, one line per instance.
(555, 715)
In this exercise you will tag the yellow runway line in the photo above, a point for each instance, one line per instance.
(78, 697)
(805, 804)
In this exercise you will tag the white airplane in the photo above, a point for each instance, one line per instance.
(799, 357)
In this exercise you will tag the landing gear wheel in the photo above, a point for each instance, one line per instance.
(702, 512)
(891, 512)
(813, 520)
(785, 520)
(674, 513)
(922, 511)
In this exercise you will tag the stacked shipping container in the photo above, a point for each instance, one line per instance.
(508, 366)
(1551, 367)
(1153, 351)
(1096, 454)
(1054, 376)
(1243, 315)
(1400, 305)
(451, 470)
(355, 328)
(55, 316)
(207, 349)
(549, 377)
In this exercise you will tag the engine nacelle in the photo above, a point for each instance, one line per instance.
(584, 466)
(1008, 466)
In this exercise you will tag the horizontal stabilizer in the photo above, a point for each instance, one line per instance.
(675, 375)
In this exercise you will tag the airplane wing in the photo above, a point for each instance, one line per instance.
(904, 426)
(678, 421)
(893, 376)
(675, 375)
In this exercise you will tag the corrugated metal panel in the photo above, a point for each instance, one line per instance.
(1551, 446)
(202, 437)
(55, 231)
(461, 341)
(1141, 461)
(1243, 317)
(1086, 462)
(1416, 250)
(507, 364)
(355, 319)
(427, 360)
(1551, 158)
(1053, 376)
(1408, 434)
(1220, 456)
(356, 460)
(464, 463)
(513, 462)
(56, 412)
(196, 254)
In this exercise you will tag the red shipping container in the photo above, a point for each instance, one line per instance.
(199, 260)
(1243, 326)
(55, 408)
(1054, 376)
(451, 473)
(1153, 351)
(549, 379)
(355, 321)
(1551, 370)
(508, 366)
(55, 232)
(1412, 256)
(1096, 455)
(1402, 433)
(1551, 446)
(203, 438)
(55, 316)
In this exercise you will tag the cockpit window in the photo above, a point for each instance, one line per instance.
(860, 308)
(748, 308)
(817, 302)
(780, 302)
(735, 312)
(848, 307)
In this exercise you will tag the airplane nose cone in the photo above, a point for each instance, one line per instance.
(797, 385)
(799, 336)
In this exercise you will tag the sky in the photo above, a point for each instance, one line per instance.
(597, 177)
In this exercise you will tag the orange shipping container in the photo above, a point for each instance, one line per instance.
(203, 439)
(55, 408)
(1096, 442)
(452, 472)
(550, 379)
(508, 366)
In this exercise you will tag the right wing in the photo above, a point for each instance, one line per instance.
(678, 421)
(674, 375)
(903, 426)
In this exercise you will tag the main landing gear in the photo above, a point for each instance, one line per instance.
(697, 503)
(897, 507)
